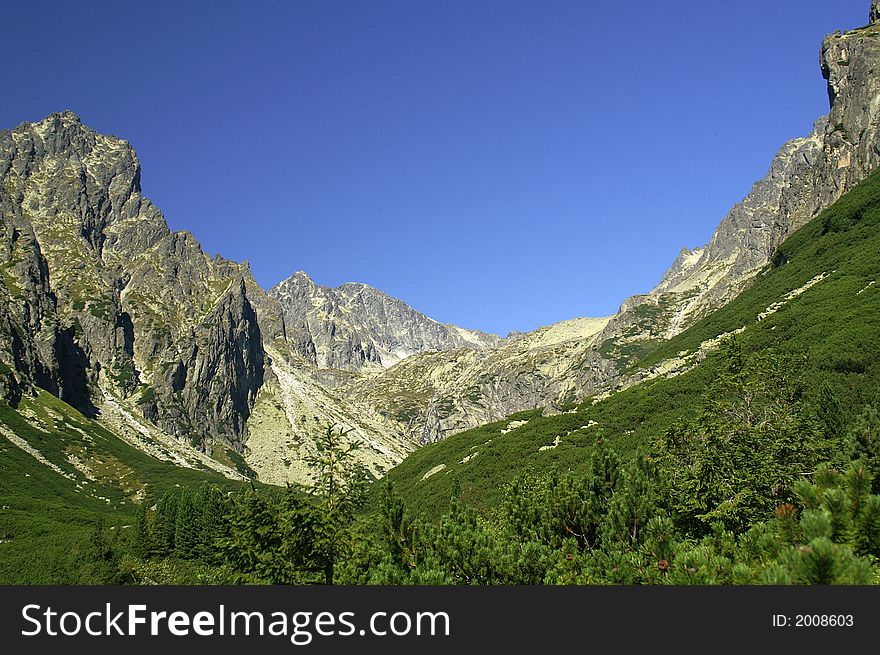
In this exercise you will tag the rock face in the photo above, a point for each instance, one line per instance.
(34, 349)
(105, 307)
(874, 16)
(354, 326)
(806, 176)
(434, 394)
(112, 300)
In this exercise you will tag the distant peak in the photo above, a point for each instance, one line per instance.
(66, 116)
(299, 277)
(358, 285)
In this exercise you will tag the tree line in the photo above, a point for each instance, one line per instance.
(759, 486)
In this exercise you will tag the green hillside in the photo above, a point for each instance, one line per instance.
(831, 330)
(49, 517)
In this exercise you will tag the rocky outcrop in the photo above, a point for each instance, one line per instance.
(121, 303)
(222, 358)
(437, 393)
(806, 176)
(34, 350)
(355, 326)
(852, 133)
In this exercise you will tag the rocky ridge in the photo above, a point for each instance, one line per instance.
(106, 308)
(355, 326)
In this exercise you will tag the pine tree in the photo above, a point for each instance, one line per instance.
(143, 536)
(753, 437)
(633, 504)
(400, 531)
(338, 491)
(210, 507)
(186, 535)
(254, 543)
(864, 433)
(164, 525)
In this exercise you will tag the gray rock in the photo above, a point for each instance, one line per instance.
(355, 325)
(34, 350)
(112, 299)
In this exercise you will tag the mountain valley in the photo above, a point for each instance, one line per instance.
(134, 364)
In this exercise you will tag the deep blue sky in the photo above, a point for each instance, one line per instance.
(499, 165)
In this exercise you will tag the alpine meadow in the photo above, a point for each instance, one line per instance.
(164, 419)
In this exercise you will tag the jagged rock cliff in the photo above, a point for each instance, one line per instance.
(34, 349)
(112, 299)
(355, 325)
(432, 395)
(102, 303)
(807, 175)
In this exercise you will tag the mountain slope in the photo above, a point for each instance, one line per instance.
(62, 475)
(821, 306)
(440, 393)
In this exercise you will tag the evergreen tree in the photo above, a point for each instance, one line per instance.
(864, 434)
(464, 550)
(210, 508)
(338, 491)
(102, 561)
(254, 544)
(164, 525)
(400, 531)
(186, 528)
(753, 436)
(143, 536)
(633, 504)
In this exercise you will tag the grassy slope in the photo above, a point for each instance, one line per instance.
(832, 326)
(46, 518)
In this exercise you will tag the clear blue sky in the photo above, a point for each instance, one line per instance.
(499, 165)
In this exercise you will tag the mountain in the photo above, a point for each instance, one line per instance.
(331, 338)
(108, 309)
(436, 394)
(817, 311)
(132, 363)
(111, 303)
(355, 326)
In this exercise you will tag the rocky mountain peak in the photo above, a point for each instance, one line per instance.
(807, 175)
(299, 278)
(355, 325)
(122, 306)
